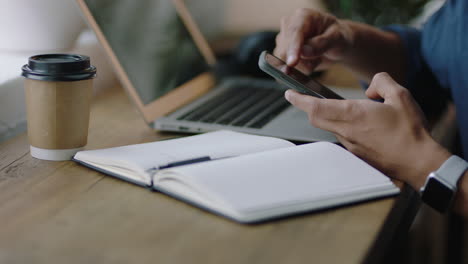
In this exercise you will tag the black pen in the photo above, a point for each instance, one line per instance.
(185, 162)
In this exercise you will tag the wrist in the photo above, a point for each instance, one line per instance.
(428, 159)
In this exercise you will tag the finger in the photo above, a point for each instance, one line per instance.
(348, 145)
(294, 48)
(322, 109)
(308, 66)
(295, 34)
(384, 87)
(281, 43)
(320, 44)
(327, 114)
(279, 50)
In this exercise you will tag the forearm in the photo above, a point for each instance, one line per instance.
(372, 51)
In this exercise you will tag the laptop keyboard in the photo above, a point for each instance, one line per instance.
(243, 105)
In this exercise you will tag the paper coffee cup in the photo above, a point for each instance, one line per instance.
(58, 90)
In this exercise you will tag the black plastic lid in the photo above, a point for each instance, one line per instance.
(59, 67)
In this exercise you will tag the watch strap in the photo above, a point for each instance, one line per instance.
(452, 169)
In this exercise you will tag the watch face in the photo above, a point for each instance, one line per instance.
(437, 195)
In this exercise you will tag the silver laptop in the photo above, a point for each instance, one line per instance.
(166, 66)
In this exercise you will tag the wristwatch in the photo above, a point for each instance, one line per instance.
(441, 185)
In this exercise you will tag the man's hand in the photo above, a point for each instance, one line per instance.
(391, 136)
(311, 39)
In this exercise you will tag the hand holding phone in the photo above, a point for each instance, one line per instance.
(293, 78)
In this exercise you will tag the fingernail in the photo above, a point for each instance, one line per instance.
(291, 59)
(287, 95)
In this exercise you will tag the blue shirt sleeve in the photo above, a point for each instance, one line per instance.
(421, 82)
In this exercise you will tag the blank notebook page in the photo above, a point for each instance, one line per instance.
(282, 177)
(214, 144)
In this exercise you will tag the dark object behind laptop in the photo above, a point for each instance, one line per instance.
(242, 60)
(250, 48)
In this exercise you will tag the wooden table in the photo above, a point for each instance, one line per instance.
(61, 212)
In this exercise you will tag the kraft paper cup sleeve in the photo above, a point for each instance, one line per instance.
(58, 113)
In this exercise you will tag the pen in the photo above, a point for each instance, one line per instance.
(185, 162)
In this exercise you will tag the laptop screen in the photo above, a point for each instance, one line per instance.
(151, 43)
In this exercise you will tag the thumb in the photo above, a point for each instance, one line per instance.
(383, 86)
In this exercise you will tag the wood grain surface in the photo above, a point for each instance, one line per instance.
(60, 212)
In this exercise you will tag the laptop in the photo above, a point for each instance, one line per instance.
(167, 68)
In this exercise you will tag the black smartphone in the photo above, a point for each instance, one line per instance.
(293, 78)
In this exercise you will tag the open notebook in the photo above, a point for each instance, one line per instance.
(244, 177)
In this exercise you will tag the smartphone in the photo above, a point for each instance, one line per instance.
(293, 78)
